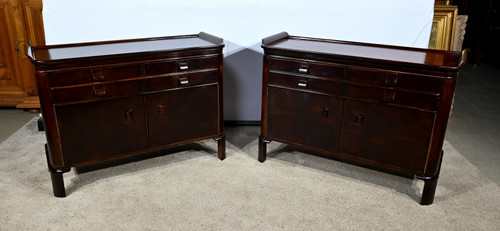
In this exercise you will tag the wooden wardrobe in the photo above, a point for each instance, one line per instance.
(21, 24)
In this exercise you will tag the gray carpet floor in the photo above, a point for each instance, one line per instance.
(189, 188)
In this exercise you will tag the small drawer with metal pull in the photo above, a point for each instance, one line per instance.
(302, 83)
(420, 83)
(180, 65)
(306, 67)
(182, 80)
(96, 91)
(394, 96)
(96, 74)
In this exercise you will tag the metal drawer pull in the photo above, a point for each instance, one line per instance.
(97, 74)
(99, 90)
(184, 81)
(389, 96)
(304, 67)
(302, 83)
(183, 66)
(392, 79)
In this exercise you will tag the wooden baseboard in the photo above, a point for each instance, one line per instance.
(24, 102)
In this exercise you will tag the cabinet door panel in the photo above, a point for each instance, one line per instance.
(9, 59)
(303, 118)
(182, 115)
(93, 131)
(391, 135)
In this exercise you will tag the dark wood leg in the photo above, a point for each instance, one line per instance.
(262, 149)
(430, 186)
(58, 183)
(56, 176)
(221, 146)
(429, 191)
(41, 127)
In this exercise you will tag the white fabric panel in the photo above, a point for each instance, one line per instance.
(242, 24)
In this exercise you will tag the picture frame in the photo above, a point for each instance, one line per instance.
(443, 27)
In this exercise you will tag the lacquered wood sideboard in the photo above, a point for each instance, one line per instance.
(107, 100)
(379, 106)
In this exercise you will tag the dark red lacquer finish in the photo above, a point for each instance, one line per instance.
(107, 100)
(382, 106)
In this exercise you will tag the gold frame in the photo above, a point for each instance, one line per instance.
(443, 27)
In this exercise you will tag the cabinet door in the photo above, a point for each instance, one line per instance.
(33, 18)
(183, 115)
(303, 118)
(11, 82)
(17, 82)
(98, 130)
(387, 134)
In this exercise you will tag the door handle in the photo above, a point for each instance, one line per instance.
(358, 119)
(162, 109)
(324, 112)
(17, 48)
(128, 115)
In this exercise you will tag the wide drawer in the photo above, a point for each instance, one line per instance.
(180, 81)
(303, 83)
(388, 95)
(306, 67)
(83, 76)
(417, 83)
(97, 91)
(180, 65)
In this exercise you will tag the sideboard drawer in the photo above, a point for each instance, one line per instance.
(420, 83)
(400, 80)
(368, 77)
(97, 91)
(181, 80)
(306, 67)
(82, 76)
(303, 83)
(394, 96)
(188, 64)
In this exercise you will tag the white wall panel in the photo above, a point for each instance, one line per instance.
(242, 24)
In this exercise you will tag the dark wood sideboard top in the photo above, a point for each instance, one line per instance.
(371, 53)
(55, 54)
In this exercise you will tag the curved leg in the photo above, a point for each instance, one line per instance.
(56, 176)
(430, 185)
(221, 146)
(262, 148)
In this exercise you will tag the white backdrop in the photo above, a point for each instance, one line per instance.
(242, 24)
